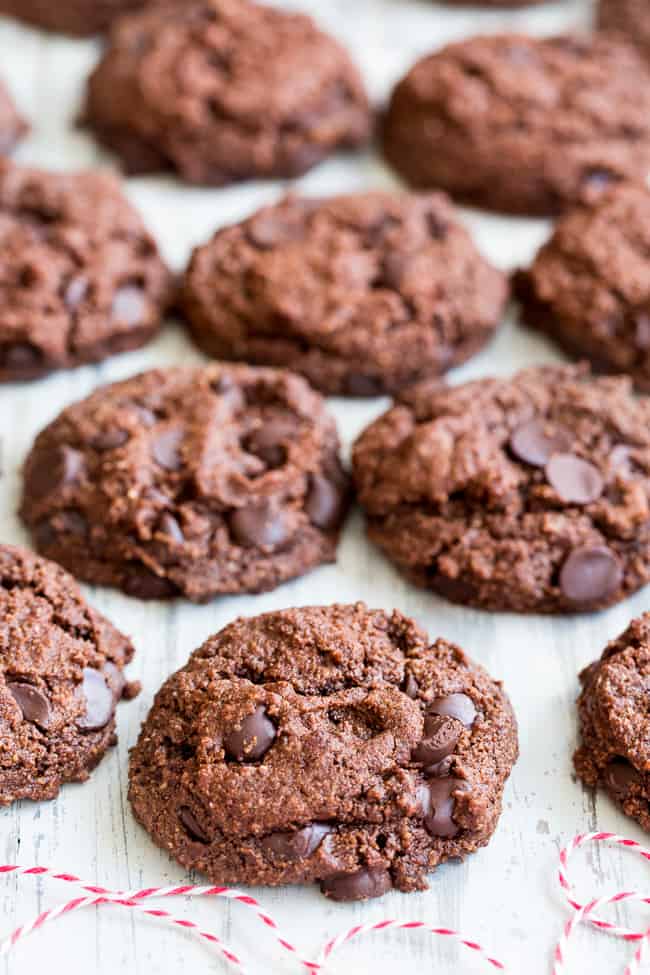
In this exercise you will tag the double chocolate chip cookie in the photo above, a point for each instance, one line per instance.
(80, 277)
(189, 481)
(629, 17)
(61, 677)
(614, 751)
(522, 124)
(529, 494)
(77, 17)
(361, 294)
(589, 286)
(326, 744)
(224, 90)
(12, 125)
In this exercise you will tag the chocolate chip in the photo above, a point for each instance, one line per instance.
(191, 824)
(166, 449)
(260, 525)
(597, 180)
(438, 806)
(575, 480)
(72, 522)
(252, 740)
(110, 439)
(620, 776)
(297, 845)
(358, 384)
(642, 330)
(270, 229)
(590, 574)
(359, 886)
(143, 584)
(537, 440)
(393, 269)
(458, 706)
(20, 355)
(32, 702)
(55, 468)
(267, 442)
(411, 686)
(325, 502)
(441, 736)
(100, 703)
(75, 292)
(129, 305)
(169, 526)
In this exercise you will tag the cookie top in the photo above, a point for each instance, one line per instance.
(522, 124)
(361, 294)
(589, 286)
(81, 277)
(529, 494)
(614, 750)
(60, 678)
(12, 126)
(629, 17)
(263, 93)
(192, 481)
(80, 18)
(325, 744)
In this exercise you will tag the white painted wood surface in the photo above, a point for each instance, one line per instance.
(506, 895)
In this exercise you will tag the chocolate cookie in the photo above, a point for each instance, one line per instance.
(629, 17)
(12, 125)
(529, 494)
(78, 17)
(60, 679)
(614, 751)
(80, 279)
(589, 286)
(326, 744)
(189, 481)
(521, 124)
(263, 93)
(361, 294)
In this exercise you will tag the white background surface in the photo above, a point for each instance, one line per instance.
(506, 895)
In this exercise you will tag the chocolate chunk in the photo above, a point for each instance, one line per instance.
(325, 503)
(267, 442)
(53, 469)
(129, 305)
(252, 740)
(411, 686)
(620, 776)
(438, 806)
(143, 584)
(296, 845)
(99, 701)
(575, 480)
(441, 736)
(590, 574)
(359, 384)
(458, 706)
(32, 702)
(110, 439)
(166, 449)
(537, 440)
(192, 825)
(261, 525)
(20, 355)
(359, 886)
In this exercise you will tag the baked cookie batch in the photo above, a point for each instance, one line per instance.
(528, 494)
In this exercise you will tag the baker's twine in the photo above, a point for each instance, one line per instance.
(89, 894)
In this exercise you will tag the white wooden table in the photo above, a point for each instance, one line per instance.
(505, 896)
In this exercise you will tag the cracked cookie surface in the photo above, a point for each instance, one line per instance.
(362, 294)
(614, 728)
(324, 744)
(589, 286)
(61, 677)
(522, 125)
(225, 90)
(189, 481)
(81, 278)
(529, 494)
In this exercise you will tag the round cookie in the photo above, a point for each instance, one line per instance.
(80, 18)
(613, 753)
(263, 92)
(361, 294)
(60, 679)
(529, 494)
(12, 126)
(521, 124)
(589, 286)
(189, 481)
(629, 17)
(81, 278)
(327, 745)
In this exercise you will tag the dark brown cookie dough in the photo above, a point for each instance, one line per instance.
(324, 744)
(614, 750)
(60, 679)
(589, 286)
(361, 294)
(529, 494)
(225, 90)
(80, 18)
(80, 278)
(521, 124)
(189, 481)
(630, 18)
(12, 126)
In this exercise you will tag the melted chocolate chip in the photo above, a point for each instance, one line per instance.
(192, 825)
(590, 574)
(166, 449)
(359, 886)
(129, 305)
(411, 687)
(252, 740)
(620, 776)
(260, 525)
(296, 845)
(358, 384)
(438, 806)
(100, 703)
(441, 736)
(20, 355)
(143, 584)
(537, 440)
(325, 503)
(55, 468)
(32, 702)
(267, 442)
(575, 480)
(458, 706)
(110, 439)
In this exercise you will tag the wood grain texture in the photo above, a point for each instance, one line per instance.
(506, 895)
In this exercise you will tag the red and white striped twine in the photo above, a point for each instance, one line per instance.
(90, 894)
